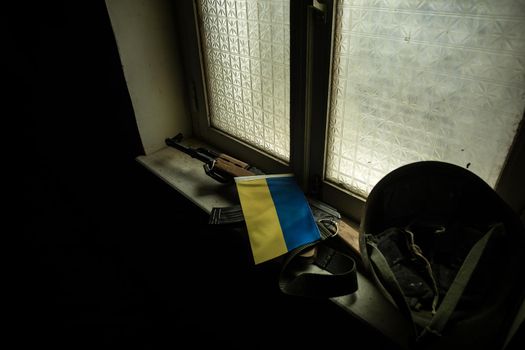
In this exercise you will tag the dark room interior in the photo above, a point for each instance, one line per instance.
(114, 257)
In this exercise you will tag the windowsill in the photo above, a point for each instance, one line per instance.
(186, 175)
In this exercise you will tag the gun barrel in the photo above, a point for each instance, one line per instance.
(174, 142)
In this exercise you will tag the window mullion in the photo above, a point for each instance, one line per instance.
(318, 59)
(298, 50)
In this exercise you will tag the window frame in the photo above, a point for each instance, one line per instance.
(198, 106)
(311, 50)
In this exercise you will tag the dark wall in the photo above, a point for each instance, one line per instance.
(91, 234)
(79, 131)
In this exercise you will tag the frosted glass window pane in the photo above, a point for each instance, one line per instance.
(246, 46)
(424, 80)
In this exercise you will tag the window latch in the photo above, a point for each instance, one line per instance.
(319, 5)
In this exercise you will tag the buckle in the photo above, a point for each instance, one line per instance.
(328, 227)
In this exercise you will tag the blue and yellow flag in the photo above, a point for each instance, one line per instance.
(277, 215)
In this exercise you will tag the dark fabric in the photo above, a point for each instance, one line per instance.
(407, 267)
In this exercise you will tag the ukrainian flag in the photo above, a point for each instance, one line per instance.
(277, 215)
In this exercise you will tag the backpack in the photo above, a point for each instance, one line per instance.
(448, 252)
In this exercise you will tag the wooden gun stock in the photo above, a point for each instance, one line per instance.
(231, 166)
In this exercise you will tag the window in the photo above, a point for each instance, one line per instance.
(246, 51)
(342, 92)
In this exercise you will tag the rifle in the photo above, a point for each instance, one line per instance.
(219, 166)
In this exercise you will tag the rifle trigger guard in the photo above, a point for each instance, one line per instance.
(209, 170)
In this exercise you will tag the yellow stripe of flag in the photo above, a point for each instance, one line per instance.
(266, 236)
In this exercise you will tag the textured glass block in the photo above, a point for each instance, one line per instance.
(246, 53)
(424, 80)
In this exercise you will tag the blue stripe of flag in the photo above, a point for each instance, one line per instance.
(296, 219)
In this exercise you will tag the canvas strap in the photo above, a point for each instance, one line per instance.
(388, 278)
(328, 273)
(459, 284)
